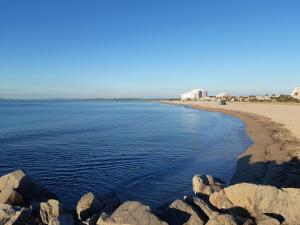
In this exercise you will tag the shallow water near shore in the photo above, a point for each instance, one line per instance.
(143, 151)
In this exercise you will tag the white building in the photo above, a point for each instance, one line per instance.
(195, 94)
(296, 93)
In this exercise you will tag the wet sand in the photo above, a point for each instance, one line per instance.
(274, 156)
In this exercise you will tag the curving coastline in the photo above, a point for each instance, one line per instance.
(275, 151)
(265, 190)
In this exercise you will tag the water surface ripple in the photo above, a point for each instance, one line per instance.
(140, 150)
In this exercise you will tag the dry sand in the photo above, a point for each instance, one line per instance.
(286, 114)
(274, 156)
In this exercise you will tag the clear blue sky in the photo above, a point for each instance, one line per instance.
(147, 48)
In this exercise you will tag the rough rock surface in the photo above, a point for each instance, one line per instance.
(243, 204)
(65, 219)
(88, 205)
(208, 210)
(206, 184)
(9, 196)
(50, 210)
(179, 212)
(266, 220)
(260, 199)
(13, 215)
(222, 219)
(25, 186)
(133, 213)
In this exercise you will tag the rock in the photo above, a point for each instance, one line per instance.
(222, 219)
(266, 220)
(88, 205)
(13, 215)
(248, 222)
(179, 212)
(206, 184)
(64, 219)
(9, 196)
(133, 213)
(91, 221)
(212, 213)
(25, 186)
(12, 179)
(209, 211)
(50, 210)
(260, 199)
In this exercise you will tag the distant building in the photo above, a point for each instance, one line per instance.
(296, 93)
(223, 96)
(263, 98)
(195, 94)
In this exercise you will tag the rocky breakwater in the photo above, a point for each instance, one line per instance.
(23, 201)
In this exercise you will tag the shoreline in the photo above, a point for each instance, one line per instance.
(273, 154)
(265, 189)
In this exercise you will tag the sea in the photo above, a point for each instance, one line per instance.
(138, 150)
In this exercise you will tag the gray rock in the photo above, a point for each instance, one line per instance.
(50, 210)
(179, 212)
(13, 215)
(87, 206)
(133, 213)
(260, 199)
(206, 184)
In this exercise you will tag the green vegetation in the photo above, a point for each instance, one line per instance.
(286, 98)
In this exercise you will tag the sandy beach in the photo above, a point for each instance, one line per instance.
(285, 114)
(273, 158)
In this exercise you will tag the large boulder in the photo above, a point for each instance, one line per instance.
(206, 184)
(13, 179)
(9, 196)
(88, 205)
(260, 199)
(50, 211)
(133, 213)
(25, 186)
(13, 215)
(179, 212)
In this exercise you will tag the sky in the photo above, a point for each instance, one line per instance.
(147, 48)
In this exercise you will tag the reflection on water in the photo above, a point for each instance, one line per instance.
(142, 151)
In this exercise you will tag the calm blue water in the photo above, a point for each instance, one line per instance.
(140, 150)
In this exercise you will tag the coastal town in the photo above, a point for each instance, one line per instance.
(202, 95)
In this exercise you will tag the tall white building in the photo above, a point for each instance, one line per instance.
(296, 93)
(195, 94)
